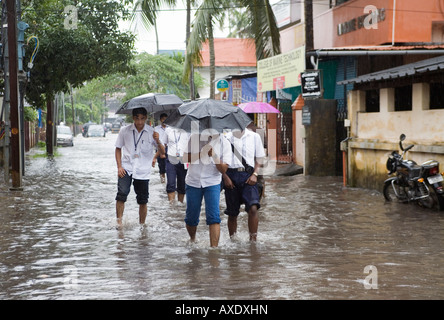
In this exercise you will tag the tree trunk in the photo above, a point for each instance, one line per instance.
(157, 37)
(188, 31)
(212, 57)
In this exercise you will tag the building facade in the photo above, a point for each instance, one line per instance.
(391, 82)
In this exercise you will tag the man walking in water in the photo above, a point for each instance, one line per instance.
(134, 154)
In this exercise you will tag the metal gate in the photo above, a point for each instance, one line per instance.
(285, 132)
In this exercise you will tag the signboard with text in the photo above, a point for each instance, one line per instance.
(281, 71)
(222, 85)
(311, 84)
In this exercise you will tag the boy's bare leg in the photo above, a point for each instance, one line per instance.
(232, 225)
(192, 232)
(143, 210)
(120, 207)
(253, 222)
(214, 234)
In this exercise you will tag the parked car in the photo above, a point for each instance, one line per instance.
(96, 130)
(108, 126)
(85, 128)
(115, 127)
(64, 136)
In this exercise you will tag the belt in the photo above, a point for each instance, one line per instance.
(237, 169)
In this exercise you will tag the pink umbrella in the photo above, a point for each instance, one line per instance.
(258, 107)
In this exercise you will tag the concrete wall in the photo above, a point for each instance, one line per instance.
(375, 135)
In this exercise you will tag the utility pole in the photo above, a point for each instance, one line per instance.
(308, 14)
(5, 106)
(16, 164)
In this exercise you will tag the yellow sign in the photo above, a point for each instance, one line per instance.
(281, 71)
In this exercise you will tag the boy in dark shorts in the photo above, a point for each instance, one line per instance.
(240, 180)
(134, 154)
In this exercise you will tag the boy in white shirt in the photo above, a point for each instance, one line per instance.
(240, 179)
(134, 154)
(176, 170)
(161, 158)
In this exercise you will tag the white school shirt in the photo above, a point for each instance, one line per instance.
(162, 133)
(138, 166)
(177, 141)
(202, 172)
(249, 146)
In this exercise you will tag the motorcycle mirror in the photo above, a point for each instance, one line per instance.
(402, 137)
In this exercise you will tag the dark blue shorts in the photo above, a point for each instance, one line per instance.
(141, 188)
(242, 193)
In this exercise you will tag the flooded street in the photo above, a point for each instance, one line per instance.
(317, 240)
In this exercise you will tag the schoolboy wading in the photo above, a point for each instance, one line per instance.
(134, 153)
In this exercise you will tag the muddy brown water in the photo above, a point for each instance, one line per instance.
(317, 240)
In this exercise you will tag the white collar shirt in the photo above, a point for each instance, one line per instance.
(249, 146)
(162, 133)
(176, 141)
(202, 172)
(137, 150)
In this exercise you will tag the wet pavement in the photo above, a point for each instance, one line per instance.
(317, 240)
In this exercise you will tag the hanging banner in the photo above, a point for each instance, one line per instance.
(281, 71)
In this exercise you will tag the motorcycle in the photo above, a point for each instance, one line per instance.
(422, 184)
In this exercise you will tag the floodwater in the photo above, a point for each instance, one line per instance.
(317, 240)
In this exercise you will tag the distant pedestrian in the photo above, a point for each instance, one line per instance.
(241, 177)
(161, 158)
(134, 153)
(208, 160)
(176, 170)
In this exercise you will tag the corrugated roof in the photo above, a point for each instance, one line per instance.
(231, 52)
(428, 65)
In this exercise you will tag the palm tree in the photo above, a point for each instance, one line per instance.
(203, 31)
(148, 12)
(261, 26)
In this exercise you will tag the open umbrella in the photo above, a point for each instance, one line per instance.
(208, 114)
(258, 107)
(152, 102)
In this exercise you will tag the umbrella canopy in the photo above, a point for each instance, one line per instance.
(258, 107)
(208, 114)
(152, 102)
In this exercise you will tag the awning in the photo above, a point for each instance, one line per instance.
(416, 68)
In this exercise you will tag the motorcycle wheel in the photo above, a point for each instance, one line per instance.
(390, 194)
(433, 202)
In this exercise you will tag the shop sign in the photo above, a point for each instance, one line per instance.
(281, 71)
(311, 84)
(222, 85)
(306, 116)
(367, 21)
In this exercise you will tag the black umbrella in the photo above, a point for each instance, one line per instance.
(208, 114)
(152, 102)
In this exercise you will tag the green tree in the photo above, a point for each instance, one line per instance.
(148, 9)
(151, 73)
(76, 45)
